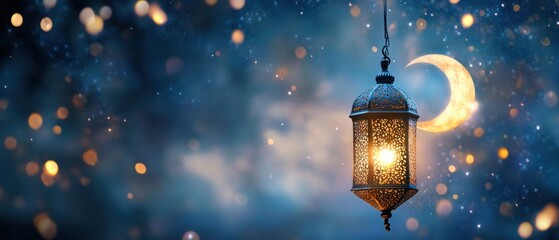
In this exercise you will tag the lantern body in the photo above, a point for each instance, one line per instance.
(384, 152)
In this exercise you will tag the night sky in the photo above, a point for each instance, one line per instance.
(226, 119)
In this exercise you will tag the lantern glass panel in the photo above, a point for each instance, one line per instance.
(361, 153)
(389, 151)
(411, 149)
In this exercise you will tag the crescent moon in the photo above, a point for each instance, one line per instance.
(462, 94)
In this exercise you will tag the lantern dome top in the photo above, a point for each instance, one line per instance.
(384, 97)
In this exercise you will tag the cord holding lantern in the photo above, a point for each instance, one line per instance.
(384, 142)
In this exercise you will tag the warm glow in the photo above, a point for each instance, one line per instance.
(45, 226)
(141, 8)
(86, 15)
(548, 216)
(300, 52)
(478, 132)
(90, 157)
(17, 20)
(62, 113)
(158, 16)
(10, 143)
(412, 224)
(210, 2)
(140, 168)
(50, 168)
(444, 207)
(462, 94)
(35, 121)
(386, 157)
(452, 168)
(453, 1)
(467, 20)
(105, 12)
(237, 4)
(46, 24)
(525, 230)
(31, 168)
(503, 153)
(441, 189)
(95, 26)
(237, 37)
(470, 159)
(49, 3)
(270, 141)
(420, 24)
(57, 130)
(513, 112)
(355, 11)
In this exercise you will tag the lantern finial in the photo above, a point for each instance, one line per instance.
(386, 214)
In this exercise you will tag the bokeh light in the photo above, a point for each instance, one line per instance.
(190, 235)
(49, 3)
(95, 25)
(46, 24)
(503, 153)
(10, 143)
(32, 168)
(35, 121)
(300, 52)
(355, 11)
(412, 224)
(105, 12)
(547, 217)
(237, 37)
(57, 129)
(90, 157)
(467, 20)
(237, 4)
(45, 226)
(86, 15)
(140, 168)
(17, 20)
(452, 168)
(470, 159)
(50, 168)
(157, 14)
(441, 189)
(210, 2)
(62, 113)
(525, 230)
(420, 24)
(141, 8)
(444, 207)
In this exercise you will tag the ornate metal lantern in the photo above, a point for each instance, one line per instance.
(384, 126)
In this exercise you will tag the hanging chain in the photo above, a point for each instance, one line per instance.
(385, 52)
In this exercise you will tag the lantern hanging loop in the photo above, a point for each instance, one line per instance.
(385, 51)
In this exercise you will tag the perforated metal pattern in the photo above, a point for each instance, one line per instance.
(362, 101)
(411, 149)
(389, 138)
(360, 152)
(386, 199)
(384, 97)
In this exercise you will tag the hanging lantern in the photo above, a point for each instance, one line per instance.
(384, 134)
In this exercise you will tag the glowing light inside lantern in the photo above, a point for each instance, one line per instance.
(386, 157)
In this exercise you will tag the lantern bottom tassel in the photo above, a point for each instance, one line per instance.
(386, 214)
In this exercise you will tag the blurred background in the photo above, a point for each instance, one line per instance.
(228, 119)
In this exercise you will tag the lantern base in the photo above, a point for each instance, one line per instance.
(386, 198)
